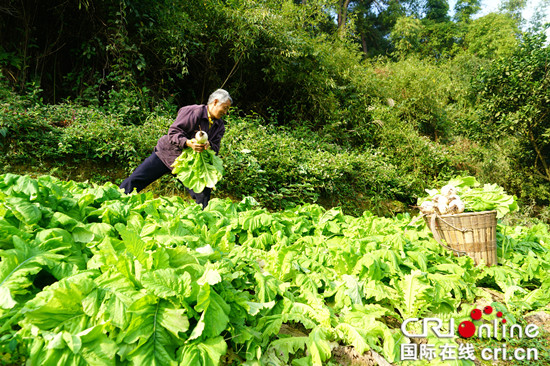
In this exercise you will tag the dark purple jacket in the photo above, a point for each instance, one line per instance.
(187, 123)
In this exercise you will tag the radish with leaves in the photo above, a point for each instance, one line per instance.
(466, 194)
(197, 170)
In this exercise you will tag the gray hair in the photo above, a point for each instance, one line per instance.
(221, 95)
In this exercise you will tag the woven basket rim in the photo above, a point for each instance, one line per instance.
(463, 214)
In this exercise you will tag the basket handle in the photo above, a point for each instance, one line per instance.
(437, 237)
(435, 233)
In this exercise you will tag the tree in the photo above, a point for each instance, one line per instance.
(491, 36)
(515, 94)
(538, 20)
(513, 7)
(406, 36)
(437, 10)
(465, 9)
(342, 10)
(373, 21)
(439, 39)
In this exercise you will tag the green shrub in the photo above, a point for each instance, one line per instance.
(94, 135)
(68, 131)
(279, 165)
(282, 166)
(421, 91)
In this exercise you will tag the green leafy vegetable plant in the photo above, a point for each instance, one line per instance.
(197, 170)
(90, 276)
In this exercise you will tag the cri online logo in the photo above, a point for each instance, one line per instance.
(467, 329)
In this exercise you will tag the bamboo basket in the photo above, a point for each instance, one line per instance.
(469, 233)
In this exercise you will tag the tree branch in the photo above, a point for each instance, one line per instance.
(342, 15)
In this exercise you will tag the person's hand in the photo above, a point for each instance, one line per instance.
(198, 147)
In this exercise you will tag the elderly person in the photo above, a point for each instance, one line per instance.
(189, 120)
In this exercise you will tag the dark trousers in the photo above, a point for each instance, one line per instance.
(152, 169)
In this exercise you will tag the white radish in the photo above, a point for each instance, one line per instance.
(444, 202)
(427, 208)
(442, 207)
(201, 137)
(456, 205)
(441, 200)
(453, 197)
(448, 190)
(453, 206)
(461, 206)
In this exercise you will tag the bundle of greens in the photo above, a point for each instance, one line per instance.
(474, 196)
(197, 170)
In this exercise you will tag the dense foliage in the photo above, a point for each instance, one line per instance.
(104, 80)
(515, 96)
(89, 275)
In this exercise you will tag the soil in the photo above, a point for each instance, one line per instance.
(348, 356)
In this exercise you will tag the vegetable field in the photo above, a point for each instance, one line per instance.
(90, 276)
